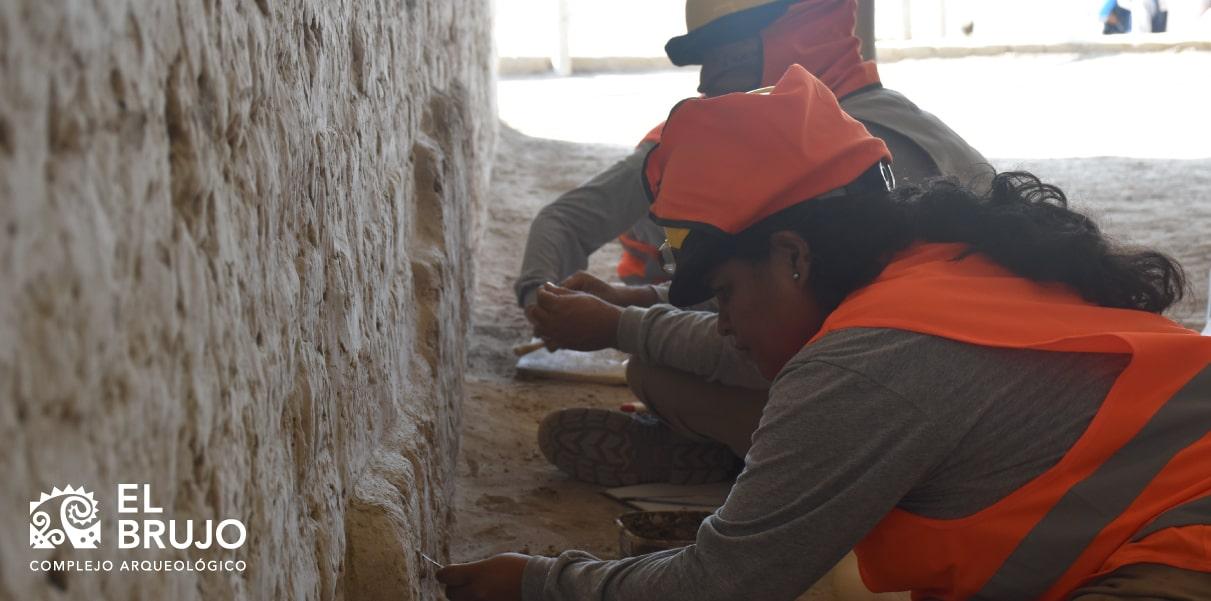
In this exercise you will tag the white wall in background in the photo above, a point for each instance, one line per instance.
(640, 28)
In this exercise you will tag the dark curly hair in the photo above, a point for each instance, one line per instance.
(1021, 223)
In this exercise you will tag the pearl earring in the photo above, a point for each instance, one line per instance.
(795, 276)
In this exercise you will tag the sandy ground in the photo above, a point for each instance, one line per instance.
(509, 499)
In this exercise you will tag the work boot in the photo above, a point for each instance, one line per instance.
(619, 449)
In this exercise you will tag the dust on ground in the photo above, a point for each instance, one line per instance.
(509, 499)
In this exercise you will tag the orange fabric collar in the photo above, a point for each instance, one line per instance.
(819, 34)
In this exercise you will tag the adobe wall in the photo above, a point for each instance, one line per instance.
(235, 260)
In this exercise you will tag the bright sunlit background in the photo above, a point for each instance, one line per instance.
(1039, 105)
(624, 28)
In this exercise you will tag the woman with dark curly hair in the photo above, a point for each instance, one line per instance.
(977, 393)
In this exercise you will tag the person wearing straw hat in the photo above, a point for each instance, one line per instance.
(976, 391)
(707, 404)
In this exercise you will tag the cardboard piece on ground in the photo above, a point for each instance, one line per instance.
(606, 366)
(670, 497)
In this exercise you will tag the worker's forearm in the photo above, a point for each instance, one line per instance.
(687, 341)
(806, 496)
(554, 249)
(636, 296)
(580, 221)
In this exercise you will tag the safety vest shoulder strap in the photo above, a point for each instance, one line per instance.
(945, 290)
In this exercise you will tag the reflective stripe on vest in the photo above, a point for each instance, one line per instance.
(1145, 455)
(1195, 512)
(1060, 537)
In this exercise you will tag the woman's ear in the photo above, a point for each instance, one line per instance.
(790, 253)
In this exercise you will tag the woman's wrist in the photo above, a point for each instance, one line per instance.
(612, 321)
(636, 296)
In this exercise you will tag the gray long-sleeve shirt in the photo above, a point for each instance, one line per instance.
(688, 341)
(862, 421)
(582, 220)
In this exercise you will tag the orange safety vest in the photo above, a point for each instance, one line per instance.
(640, 261)
(1136, 486)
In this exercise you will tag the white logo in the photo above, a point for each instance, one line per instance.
(78, 519)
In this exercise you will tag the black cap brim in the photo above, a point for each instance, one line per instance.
(688, 49)
(705, 248)
(702, 252)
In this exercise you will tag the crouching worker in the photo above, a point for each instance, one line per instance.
(707, 398)
(976, 392)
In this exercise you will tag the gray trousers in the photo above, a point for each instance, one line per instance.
(696, 408)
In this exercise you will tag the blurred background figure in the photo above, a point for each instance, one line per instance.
(1115, 19)
(1140, 16)
(1157, 16)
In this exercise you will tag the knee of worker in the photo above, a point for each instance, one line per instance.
(646, 381)
(638, 373)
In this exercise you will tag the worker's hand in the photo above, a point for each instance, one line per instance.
(574, 320)
(532, 312)
(615, 294)
(494, 579)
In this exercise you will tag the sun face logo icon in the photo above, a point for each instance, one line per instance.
(79, 520)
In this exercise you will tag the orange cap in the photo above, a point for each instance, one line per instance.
(726, 163)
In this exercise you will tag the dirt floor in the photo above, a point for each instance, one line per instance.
(510, 499)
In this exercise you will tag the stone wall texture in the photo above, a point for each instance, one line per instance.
(235, 259)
